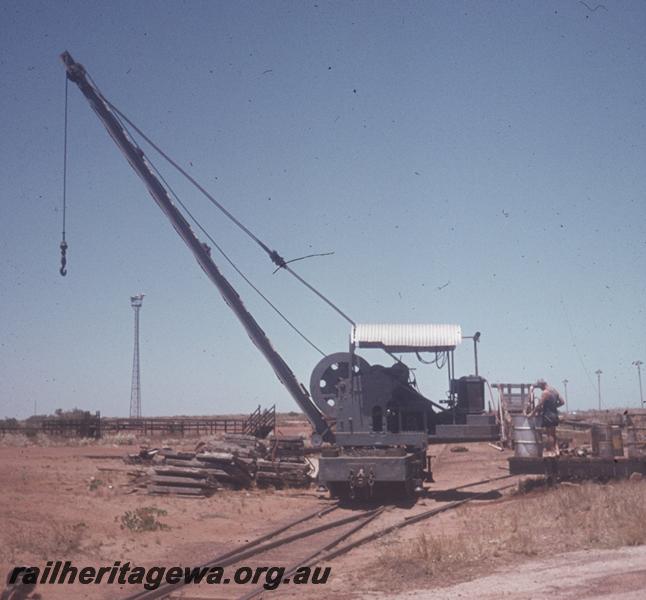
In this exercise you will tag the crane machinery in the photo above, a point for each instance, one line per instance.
(371, 422)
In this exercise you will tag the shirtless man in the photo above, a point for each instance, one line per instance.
(548, 408)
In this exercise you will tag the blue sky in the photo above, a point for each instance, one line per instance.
(499, 147)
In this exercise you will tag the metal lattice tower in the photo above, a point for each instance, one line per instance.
(135, 389)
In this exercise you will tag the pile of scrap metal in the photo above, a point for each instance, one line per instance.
(144, 456)
(234, 462)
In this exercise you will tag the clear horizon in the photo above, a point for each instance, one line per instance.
(471, 163)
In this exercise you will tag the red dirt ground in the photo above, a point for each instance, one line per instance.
(59, 503)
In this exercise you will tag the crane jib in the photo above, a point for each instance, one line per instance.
(135, 156)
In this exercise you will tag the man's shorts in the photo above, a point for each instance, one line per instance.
(550, 419)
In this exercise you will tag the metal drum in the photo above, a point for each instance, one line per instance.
(634, 450)
(527, 440)
(605, 442)
(617, 441)
(605, 449)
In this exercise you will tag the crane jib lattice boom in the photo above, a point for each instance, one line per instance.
(76, 73)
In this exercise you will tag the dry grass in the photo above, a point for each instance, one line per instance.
(21, 540)
(20, 440)
(566, 518)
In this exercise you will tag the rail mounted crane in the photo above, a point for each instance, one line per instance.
(371, 421)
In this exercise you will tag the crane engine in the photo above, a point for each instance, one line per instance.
(381, 420)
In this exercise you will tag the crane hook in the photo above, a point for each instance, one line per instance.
(63, 269)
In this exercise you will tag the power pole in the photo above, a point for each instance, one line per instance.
(638, 364)
(565, 382)
(135, 389)
(598, 372)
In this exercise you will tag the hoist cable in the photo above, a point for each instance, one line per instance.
(233, 265)
(319, 294)
(276, 258)
(303, 258)
(63, 245)
(210, 238)
(180, 169)
(426, 362)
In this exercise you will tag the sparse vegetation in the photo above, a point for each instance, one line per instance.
(122, 439)
(95, 484)
(559, 519)
(49, 539)
(33, 438)
(67, 539)
(144, 518)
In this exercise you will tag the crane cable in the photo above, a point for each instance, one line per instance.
(63, 245)
(203, 230)
(276, 258)
(230, 261)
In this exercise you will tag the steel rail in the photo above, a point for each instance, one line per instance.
(260, 544)
(327, 546)
(481, 482)
(376, 535)
(403, 523)
(147, 594)
(255, 547)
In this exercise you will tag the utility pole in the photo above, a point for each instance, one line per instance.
(135, 389)
(638, 364)
(476, 338)
(598, 372)
(565, 382)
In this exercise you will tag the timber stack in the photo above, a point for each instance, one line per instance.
(285, 465)
(234, 462)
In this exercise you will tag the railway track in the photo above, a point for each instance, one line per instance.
(315, 539)
(323, 523)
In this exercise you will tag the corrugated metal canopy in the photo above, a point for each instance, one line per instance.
(399, 337)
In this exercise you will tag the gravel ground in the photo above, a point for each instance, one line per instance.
(608, 574)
